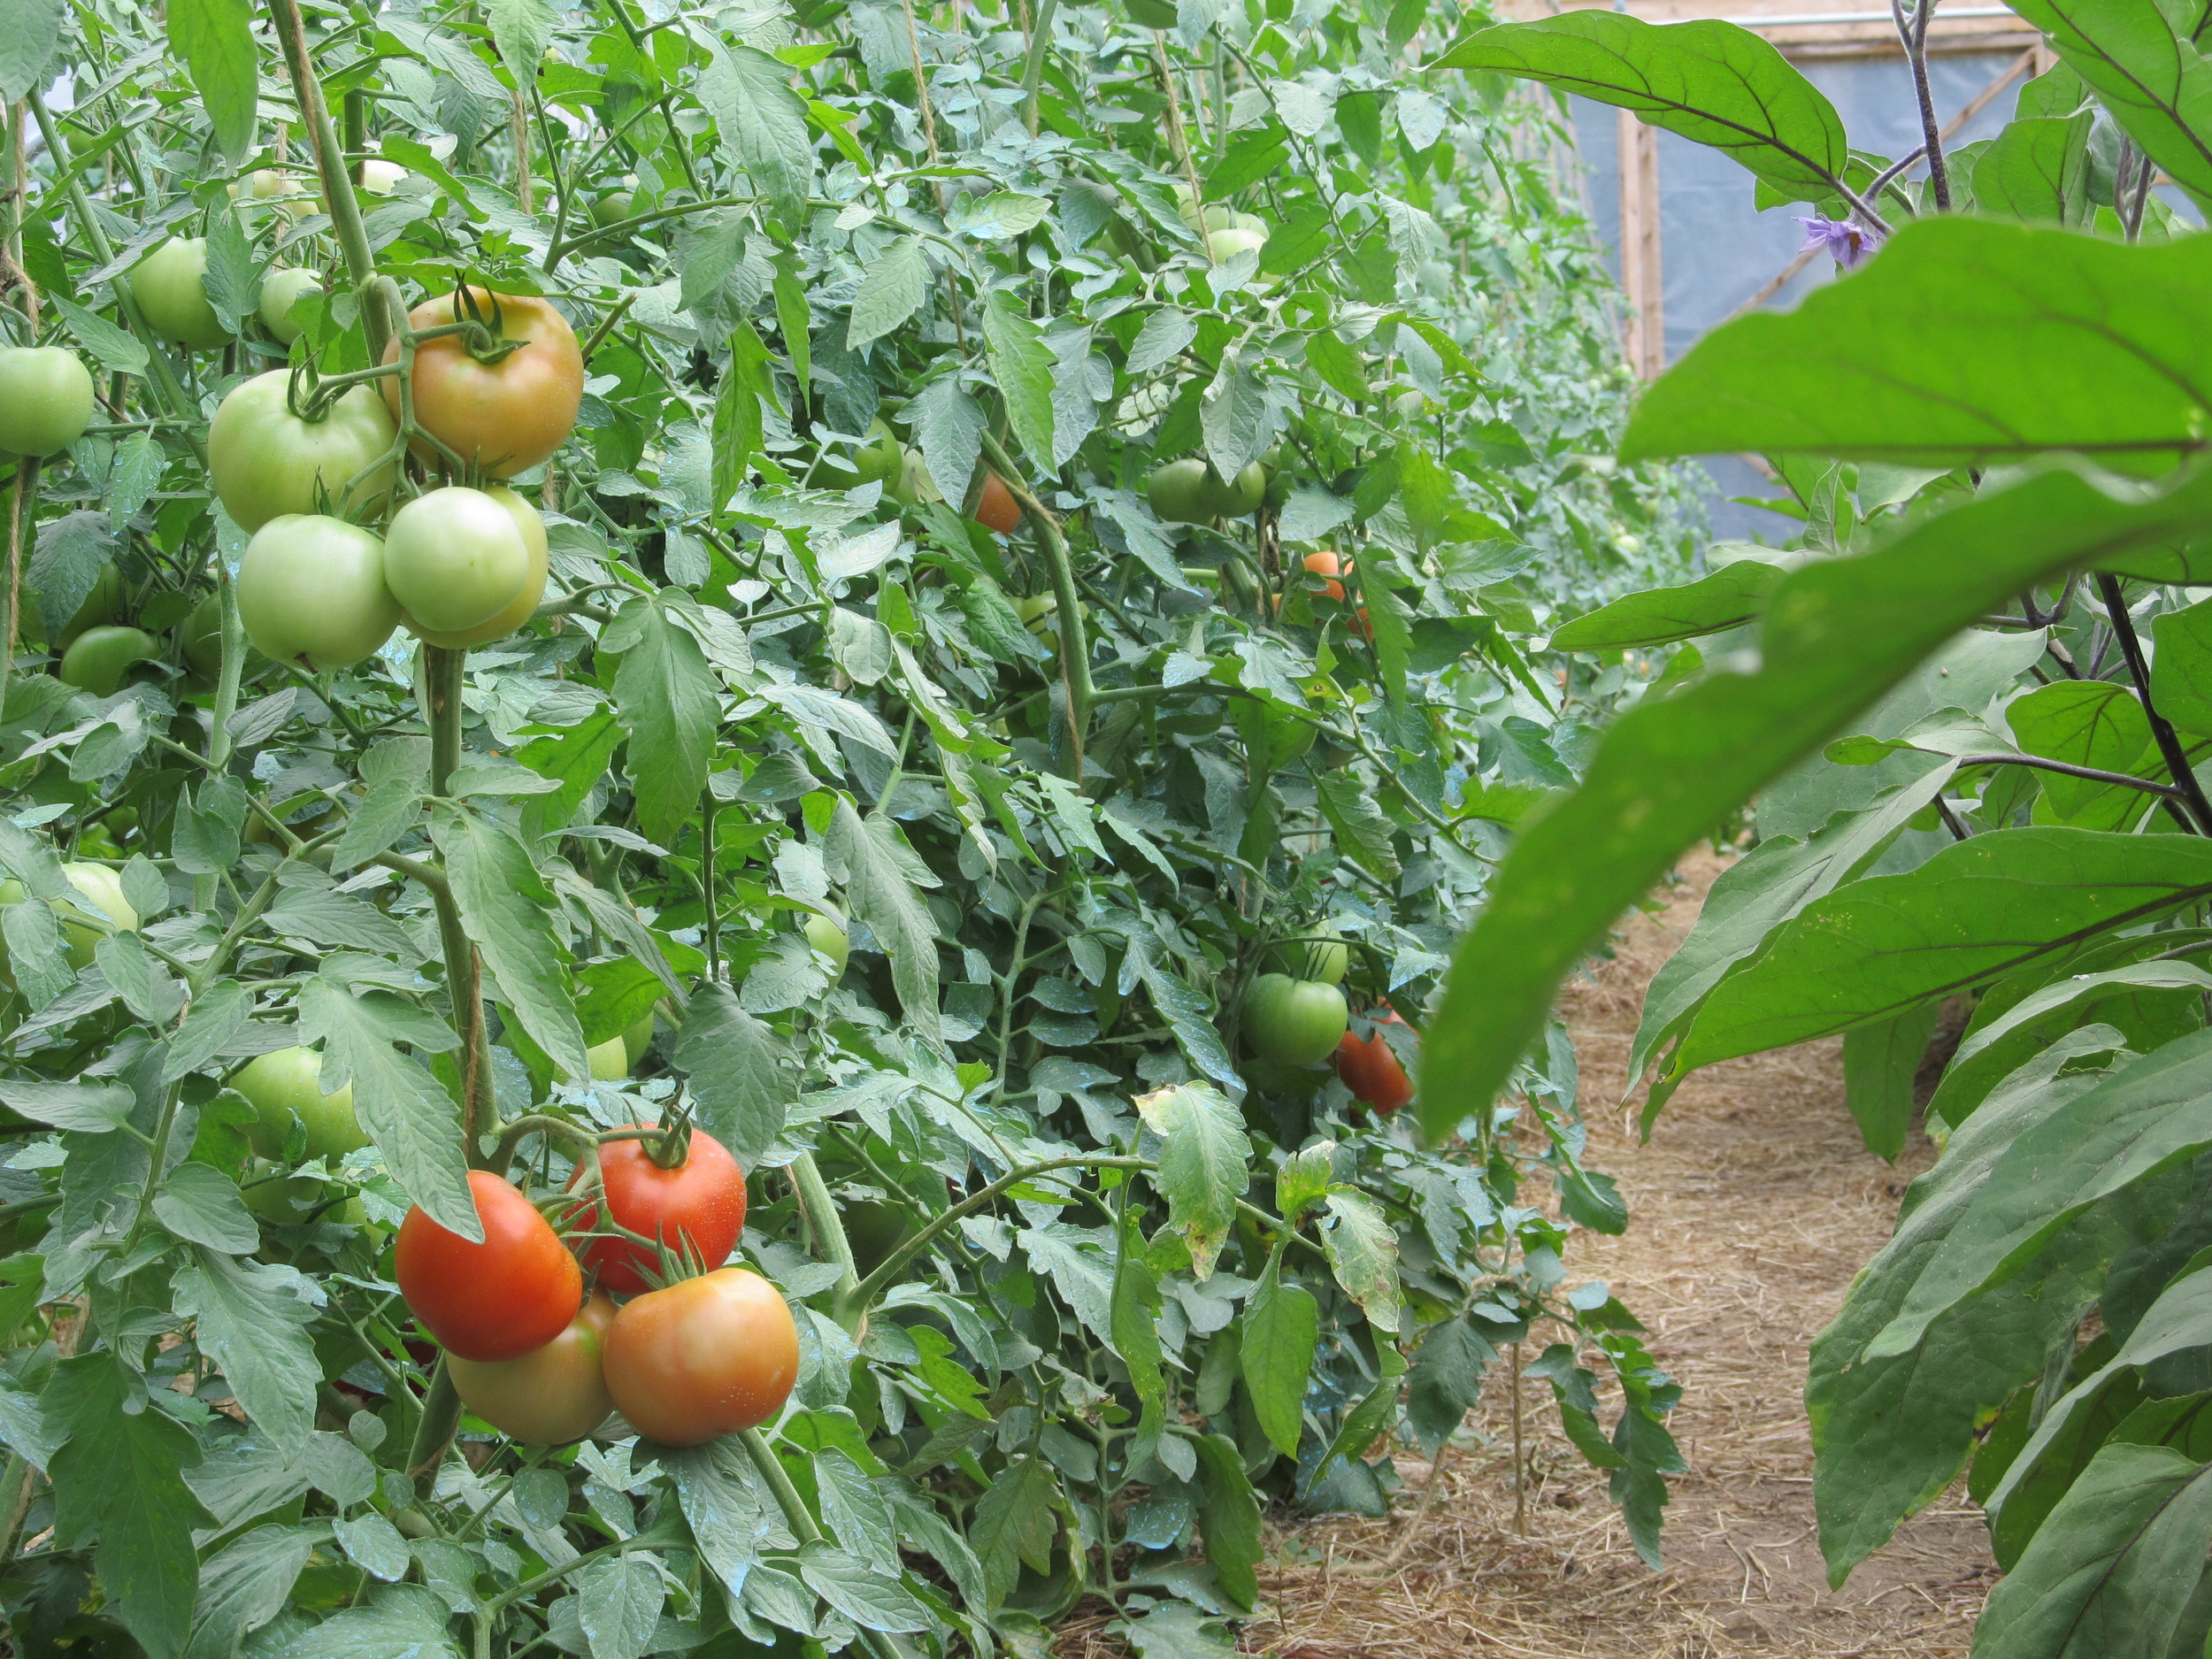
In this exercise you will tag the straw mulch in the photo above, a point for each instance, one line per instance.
(1751, 1209)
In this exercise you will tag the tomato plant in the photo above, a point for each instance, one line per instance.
(818, 738)
(497, 1298)
(1293, 1022)
(707, 1356)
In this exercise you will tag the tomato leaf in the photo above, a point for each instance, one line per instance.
(1023, 367)
(413, 1121)
(1362, 1252)
(215, 39)
(1282, 1325)
(1202, 1171)
(666, 696)
(763, 124)
(1229, 1512)
(883, 880)
(732, 1063)
(891, 290)
(506, 909)
(1015, 1522)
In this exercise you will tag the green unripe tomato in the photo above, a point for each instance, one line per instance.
(266, 462)
(1236, 497)
(1227, 244)
(454, 558)
(613, 208)
(169, 286)
(1154, 14)
(102, 890)
(287, 1085)
(1176, 492)
(636, 1039)
(881, 460)
(827, 935)
(279, 290)
(1293, 1022)
(45, 400)
(378, 175)
(99, 657)
(610, 1060)
(202, 637)
(311, 590)
(523, 606)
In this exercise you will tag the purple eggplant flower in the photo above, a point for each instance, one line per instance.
(1847, 242)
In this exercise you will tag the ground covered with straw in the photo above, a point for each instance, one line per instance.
(1753, 1206)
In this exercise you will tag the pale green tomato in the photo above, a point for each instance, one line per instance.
(103, 891)
(287, 1085)
(827, 935)
(97, 659)
(378, 175)
(169, 287)
(525, 601)
(1227, 244)
(610, 1060)
(286, 195)
(881, 460)
(454, 558)
(279, 290)
(636, 1039)
(311, 590)
(45, 400)
(266, 462)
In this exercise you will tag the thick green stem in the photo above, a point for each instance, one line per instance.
(1033, 71)
(820, 1210)
(443, 672)
(1075, 644)
(17, 1482)
(441, 1416)
(23, 502)
(330, 168)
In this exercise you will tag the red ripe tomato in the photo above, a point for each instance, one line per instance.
(1370, 1070)
(705, 1357)
(505, 416)
(998, 510)
(700, 1203)
(503, 1298)
(549, 1397)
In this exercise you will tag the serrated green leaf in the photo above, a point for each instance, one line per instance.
(891, 290)
(522, 29)
(30, 32)
(763, 126)
(1202, 1165)
(1015, 1522)
(880, 880)
(1023, 366)
(215, 39)
(1363, 1251)
(1229, 1512)
(411, 1118)
(732, 1060)
(666, 696)
(507, 910)
(1282, 1325)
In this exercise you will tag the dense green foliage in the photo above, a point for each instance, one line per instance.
(1970, 700)
(1079, 1282)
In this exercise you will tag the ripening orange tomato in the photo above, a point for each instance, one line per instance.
(505, 411)
(998, 510)
(705, 1357)
(1372, 1070)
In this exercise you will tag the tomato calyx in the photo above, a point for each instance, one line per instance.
(485, 340)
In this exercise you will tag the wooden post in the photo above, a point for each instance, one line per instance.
(1640, 276)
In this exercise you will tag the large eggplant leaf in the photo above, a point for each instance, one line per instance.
(1715, 84)
(1965, 341)
(1837, 635)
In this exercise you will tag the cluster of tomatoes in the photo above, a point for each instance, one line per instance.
(458, 565)
(1301, 1018)
(696, 1350)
